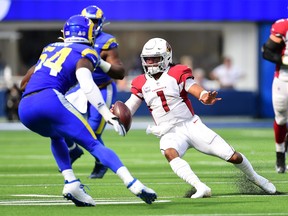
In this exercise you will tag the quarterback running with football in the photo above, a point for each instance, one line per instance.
(44, 109)
(165, 87)
(276, 50)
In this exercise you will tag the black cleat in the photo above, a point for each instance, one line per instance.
(75, 154)
(98, 171)
(280, 162)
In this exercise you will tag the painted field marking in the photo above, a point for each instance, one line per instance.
(62, 201)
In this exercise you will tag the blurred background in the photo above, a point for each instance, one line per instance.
(202, 34)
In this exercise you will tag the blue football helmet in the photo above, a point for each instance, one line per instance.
(96, 15)
(79, 29)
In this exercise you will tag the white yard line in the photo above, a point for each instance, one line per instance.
(62, 201)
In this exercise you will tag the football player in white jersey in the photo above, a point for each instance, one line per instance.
(165, 87)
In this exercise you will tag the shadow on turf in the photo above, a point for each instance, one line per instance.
(243, 185)
(189, 193)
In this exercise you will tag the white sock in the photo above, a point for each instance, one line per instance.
(280, 147)
(184, 171)
(125, 175)
(68, 175)
(247, 168)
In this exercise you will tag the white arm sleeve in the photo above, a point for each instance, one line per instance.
(133, 103)
(189, 83)
(92, 92)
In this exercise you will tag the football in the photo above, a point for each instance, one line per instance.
(123, 113)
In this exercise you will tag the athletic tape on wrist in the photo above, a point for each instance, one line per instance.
(105, 66)
(202, 93)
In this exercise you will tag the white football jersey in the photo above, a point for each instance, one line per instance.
(166, 97)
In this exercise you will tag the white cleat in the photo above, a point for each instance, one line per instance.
(146, 194)
(265, 184)
(75, 192)
(202, 190)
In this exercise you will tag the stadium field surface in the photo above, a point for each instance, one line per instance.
(30, 183)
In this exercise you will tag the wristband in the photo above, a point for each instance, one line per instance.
(285, 60)
(105, 66)
(202, 93)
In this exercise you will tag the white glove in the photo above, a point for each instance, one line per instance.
(118, 127)
(110, 118)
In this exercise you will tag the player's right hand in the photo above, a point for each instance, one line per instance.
(118, 127)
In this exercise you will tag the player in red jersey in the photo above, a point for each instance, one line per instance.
(276, 50)
(165, 87)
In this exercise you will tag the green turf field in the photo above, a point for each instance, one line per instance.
(31, 185)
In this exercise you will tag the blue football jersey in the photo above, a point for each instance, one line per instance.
(103, 41)
(56, 66)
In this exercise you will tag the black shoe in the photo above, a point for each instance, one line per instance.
(280, 162)
(98, 171)
(75, 154)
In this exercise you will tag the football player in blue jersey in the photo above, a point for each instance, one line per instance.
(110, 67)
(44, 110)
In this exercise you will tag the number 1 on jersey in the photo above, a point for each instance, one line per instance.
(163, 100)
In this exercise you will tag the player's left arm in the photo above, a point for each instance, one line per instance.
(83, 74)
(111, 63)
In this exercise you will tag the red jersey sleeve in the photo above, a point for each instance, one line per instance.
(181, 73)
(137, 84)
(280, 28)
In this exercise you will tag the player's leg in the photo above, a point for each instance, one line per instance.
(77, 128)
(245, 166)
(78, 99)
(75, 151)
(99, 169)
(208, 142)
(173, 147)
(98, 124)
(221, 149)
(280, 106)
(109, 159)
(73, 189)
(45, 122)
